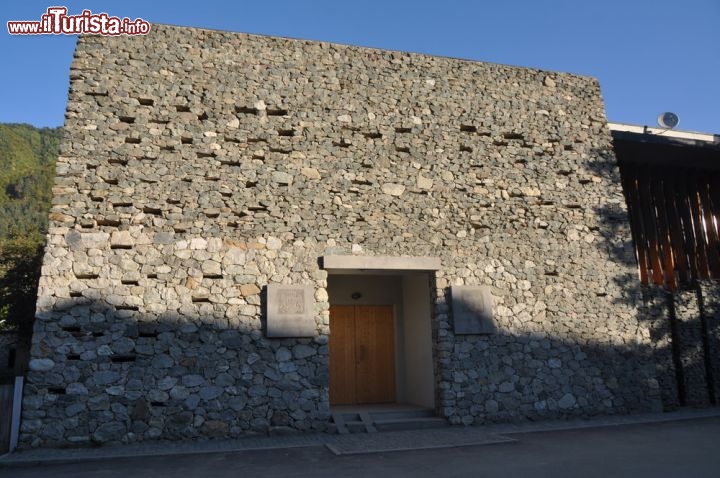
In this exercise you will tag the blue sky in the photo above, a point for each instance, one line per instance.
(649, 55)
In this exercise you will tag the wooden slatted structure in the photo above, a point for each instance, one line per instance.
(674, 214)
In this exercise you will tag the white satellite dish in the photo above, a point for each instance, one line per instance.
(668, 120)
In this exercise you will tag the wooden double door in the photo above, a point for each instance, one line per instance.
(362, 354)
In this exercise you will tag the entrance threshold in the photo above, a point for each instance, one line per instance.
(382, 417)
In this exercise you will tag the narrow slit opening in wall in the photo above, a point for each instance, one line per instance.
(276, 112)
(129, 282)
(250, 184)
(173, 201)
(97, 334)
(157, 404)
(203, 116)
(186, 140)
(466, 149)
(146, 101)
(112, 181)
(120, 161)
(97, 93)
(108, 222)
(230, 139)
(212, 276)
(198, 299)
(72, 328)
(257, 140)
(148, 335)
(56, 390)
(182, 108)
(286, 132)
(373, 135)
(133, 308)
(73, 357)
(341, 144)
(132, 140)
(402, 149)
(123, 358)
(167, 147)
(120, 246)
(155, 211)
(361, 182)
(513, 135)
(212, 215)
(257, 208)
(246, 110)
(402, 130)
(152, 276)
(201, 154)
(468, 128)
(86, 276)
(230, 162)
(280, 150)
(127, 119)
(75, 294)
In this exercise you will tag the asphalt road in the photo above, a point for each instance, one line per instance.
(678, 449)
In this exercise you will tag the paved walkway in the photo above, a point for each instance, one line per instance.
(346, 444)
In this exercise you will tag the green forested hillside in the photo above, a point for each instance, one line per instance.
(27, 170)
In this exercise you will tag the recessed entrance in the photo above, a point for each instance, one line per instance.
(380, 347)
(362, 354)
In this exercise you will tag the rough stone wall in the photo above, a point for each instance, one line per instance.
(710, 313)
(691, 350)
(686, 342)
(199, 166)
(656, 311)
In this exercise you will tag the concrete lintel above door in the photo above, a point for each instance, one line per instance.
(379, 263)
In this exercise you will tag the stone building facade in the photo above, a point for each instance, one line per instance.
(202, 172)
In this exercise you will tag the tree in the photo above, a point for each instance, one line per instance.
(20, 264)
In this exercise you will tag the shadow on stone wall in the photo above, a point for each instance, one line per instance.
(682, 325)
(110, 375)
(113, 375)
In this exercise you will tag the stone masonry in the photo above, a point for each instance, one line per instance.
(200, 166)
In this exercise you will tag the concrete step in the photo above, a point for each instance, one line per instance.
(364, 421)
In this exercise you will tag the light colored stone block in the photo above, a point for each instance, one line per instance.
(472, 310)
(290, 311)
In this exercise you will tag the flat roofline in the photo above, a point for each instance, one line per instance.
(663, 132)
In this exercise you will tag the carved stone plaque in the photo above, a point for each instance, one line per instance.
(290, 311)
(472, 310)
